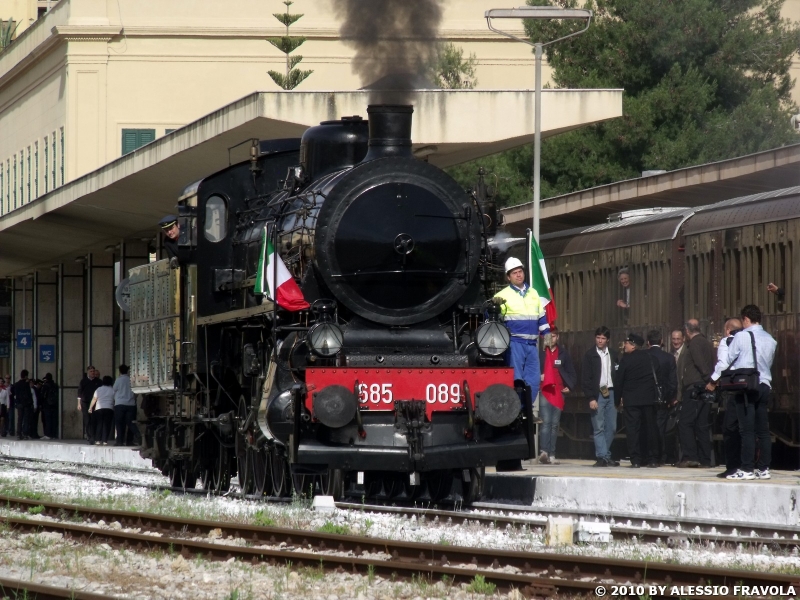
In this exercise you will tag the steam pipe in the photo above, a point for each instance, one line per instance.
(389, 131)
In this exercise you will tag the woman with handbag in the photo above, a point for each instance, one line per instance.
(748, 370)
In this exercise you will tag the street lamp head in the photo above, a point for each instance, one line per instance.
(538, 12)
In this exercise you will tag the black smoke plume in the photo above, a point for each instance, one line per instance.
(395, 43)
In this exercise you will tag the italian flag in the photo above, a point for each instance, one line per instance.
(285, 290)
(540, 282)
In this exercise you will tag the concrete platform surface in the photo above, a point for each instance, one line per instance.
(73, 451)
(666, 491)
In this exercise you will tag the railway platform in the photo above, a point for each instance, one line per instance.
(73, 451)
(576, 486)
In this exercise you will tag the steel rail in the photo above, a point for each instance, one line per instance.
(17, 589)
(652, 529)
(576, 573)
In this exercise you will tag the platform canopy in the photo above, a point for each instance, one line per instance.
(125, 198)
(692, 186)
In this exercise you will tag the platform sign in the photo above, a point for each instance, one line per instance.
(5, 350)
(47, 354)
(24, 339)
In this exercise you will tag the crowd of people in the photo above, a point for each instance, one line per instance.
(108, 407)
(648, 385)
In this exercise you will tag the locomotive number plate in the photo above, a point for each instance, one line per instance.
(442, 389)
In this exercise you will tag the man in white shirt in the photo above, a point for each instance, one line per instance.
(597, 383)
(751, 406)
(731, 439)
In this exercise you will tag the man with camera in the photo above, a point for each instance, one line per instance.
(693, 427)
(637, 389)
(667, 382)
(751, 349)
(731, 439)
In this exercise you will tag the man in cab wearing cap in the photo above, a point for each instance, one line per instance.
(526, 321)
(172, 232)
(636, 383)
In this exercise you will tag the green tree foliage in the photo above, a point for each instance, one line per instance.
(287, 44)
(451, 71)
(7, 30)
(704, 80)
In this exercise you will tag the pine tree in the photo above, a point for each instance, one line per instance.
(704, 80)
(451, 71)
(288, 44)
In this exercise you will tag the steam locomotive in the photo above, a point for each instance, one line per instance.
(390, 385)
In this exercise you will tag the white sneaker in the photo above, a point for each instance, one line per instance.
(746, 475)
(763, 474)
(553, 461)
(544, 459)
(44, 437)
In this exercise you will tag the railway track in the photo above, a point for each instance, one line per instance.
(624, 526)
(535, 574)
(16, 589)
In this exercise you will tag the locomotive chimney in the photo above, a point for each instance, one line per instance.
(389, 131)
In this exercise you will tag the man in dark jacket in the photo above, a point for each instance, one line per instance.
(693, 427)
(666, 374)
(49, 404)
(23, 400)
(597, 383)
(86, 389)
(636, 386)
(558, 378)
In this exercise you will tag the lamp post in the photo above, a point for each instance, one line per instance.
(537, 12)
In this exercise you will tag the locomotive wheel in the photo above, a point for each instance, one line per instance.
(439, 485)
(221, 476)
(304, 485)
(183, 476)
(261, 468)
(279, 470)
(473, 489)
(244, 455)
(332, 483)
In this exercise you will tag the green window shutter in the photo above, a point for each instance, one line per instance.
(168, 131)
(136, 138)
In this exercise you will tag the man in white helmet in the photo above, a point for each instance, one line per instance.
(526, 321)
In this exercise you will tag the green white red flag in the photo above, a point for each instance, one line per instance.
(540, 282)
(274, 280)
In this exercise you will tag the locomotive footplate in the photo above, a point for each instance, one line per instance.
(413, 419)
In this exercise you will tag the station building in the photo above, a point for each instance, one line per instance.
(109, 109)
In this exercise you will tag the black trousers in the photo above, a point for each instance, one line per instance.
(662, 417)
(104, 420)
(694, 429)
(751, 410)
(731, 438)
(24, 418)
(50, 417)
(88, 421)
(124, 418)
(640, 423)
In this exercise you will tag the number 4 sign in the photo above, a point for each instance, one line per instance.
(24, 339)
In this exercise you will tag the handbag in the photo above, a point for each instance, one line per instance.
(741, 380)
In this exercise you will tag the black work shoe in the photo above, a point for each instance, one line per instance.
(612, 463)
(725, 473)
(601, 462)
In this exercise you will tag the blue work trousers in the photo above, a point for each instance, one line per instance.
(604, 424)
(548, 430)
(524, 357)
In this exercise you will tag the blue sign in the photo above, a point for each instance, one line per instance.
(5, 350)
(24, 339)
(47, 354)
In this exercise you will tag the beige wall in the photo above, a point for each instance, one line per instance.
(22, 11)
(96, 67)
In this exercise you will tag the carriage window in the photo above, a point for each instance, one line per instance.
(216, 218)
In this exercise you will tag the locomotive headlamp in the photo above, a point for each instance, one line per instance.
(325, 339)
(493, 338)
